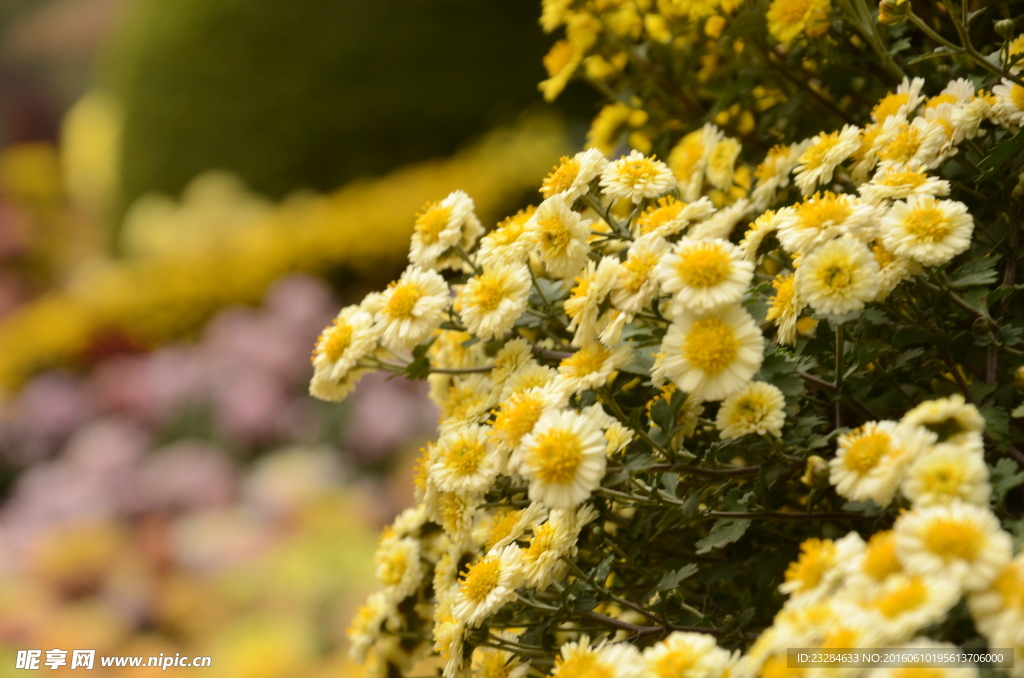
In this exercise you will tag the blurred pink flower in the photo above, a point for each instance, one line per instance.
(186, 475)
(385, 415)
(47, 410)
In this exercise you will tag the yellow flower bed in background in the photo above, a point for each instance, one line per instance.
(171, 290)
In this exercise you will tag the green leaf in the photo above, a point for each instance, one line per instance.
(980, 271)
(937, 52)
(584, 604)
(997, 421)
(724, 532)
(1018, 412)
(643, 361)
(1005, 476)
(601, 573)
(673, 579)
(1004, 151)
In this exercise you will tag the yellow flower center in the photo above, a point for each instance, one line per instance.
(816, 155)
(944, 479)
(685, 157)
(749, 410)
(1017, 97)
(954, 539)
(815, 560)
(781, 303)
(710, 346)
(903, 146)
(488, 292)
(866, 451)
(889, 105)
(1010, 586)
(880, 559)
(481, 579)
(403, 301)
(562, 178)
(493, 665)
(909, 179)
(904, 599)
(836, 277)
(673, 664)
(502, 527)
(940, 99)
(704, 265)
(518, 417)
(636, 270)
(556, 455)
(666, 210)
(634, 172)
(392, 568)
(541, 542)
(583, 665)
(334, 341)
(553, 235)
(823, 211)
(431, 222)
(928, 224)
(587, 360)
(883, 256)
(464, 456)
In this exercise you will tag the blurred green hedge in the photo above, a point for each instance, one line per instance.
(311, 93)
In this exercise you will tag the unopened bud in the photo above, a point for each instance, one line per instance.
(1018, 377)
(1005, 28)
(816, 474)
(892, 12)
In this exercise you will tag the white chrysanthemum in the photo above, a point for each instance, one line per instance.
(784, 307)
(820, 159)
(411, 308)
(492, 301)
(773, 173)
(821, 218)
(636, 284)
(467, 400)
(870, 461)
(866, 572)
(1009, 106)
(561, 237)
(912, 145)
(948, 472)
(927, 230)
(759, 229)
(723, 222)
(454, 512)
(571, 178)
(517, 416)
(1001, 604)
(967, 118)
(618, 438)
(449, 642)
(722, 163)
(710, 357)
(905, 604)
(529, 376)
(365, 628)
(591, 366)
(686, 655)
(688, 159)
(513, 356)
(584, 303)
(489, 662)
(551, 540)
(488, 584)
(343, 343)
(813, 621)
(901, 103)
(953, 419)
(892, 269)
(900, 184)
(937, 670)
(704, 275)
(508, 525)
(464, 460)
(839, 277)
(669, 216)
(635, 176)
(510, 241)
(819, 569)
(615, 660)
(564, 459)
(440, 226)
(756, 408)
(962, 543)
(398, 567)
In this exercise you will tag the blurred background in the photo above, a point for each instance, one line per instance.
(189, 191)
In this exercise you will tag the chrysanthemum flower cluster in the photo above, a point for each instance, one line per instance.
(702, 408)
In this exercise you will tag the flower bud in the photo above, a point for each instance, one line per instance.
(816, 474)
(1018, 377)
(1005, 28)
(892, 12)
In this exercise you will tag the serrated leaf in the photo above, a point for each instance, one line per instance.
(602, 570)
(584, 604)
(997, 421)
(672, 580)
(981, 271)
(725, 531)
(1005, 476)
(643, 361)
